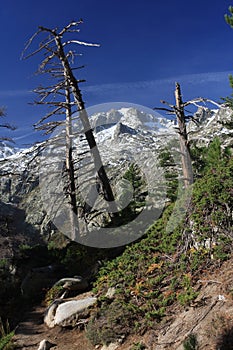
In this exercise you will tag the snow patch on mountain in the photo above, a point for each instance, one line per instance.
(208, 124)
(7, 150)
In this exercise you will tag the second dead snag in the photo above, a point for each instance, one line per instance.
(183, 136)
(179, 112)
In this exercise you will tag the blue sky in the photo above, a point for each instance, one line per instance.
(145, 47)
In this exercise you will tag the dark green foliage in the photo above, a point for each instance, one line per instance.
(213, 198)
(213, 154)
(138, 346)
(191, 342)
(166, 161)
(6, 336)
(143, 275)
(160, 270)
(204, 158)
(134, 192)
(229, 18)
(135, 178)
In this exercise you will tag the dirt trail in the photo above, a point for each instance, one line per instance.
(210, 317)
(32, 330)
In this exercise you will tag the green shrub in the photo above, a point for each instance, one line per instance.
(52, 294)
(3, 263)
(191, 342)
(162, 268)
(6, 337)
(138, 346)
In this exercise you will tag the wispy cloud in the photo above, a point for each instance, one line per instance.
(211, 85)
(14, 93)
(198, 79)
(23, 136)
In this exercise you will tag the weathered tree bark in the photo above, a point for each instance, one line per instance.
(72, 82)
(184, 147)
(70, 167)
(66, 98)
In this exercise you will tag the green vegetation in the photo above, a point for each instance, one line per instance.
(6, 337)
(161, 270)
(3, 263)
(138, 346)
(133, 191)
(191, 342)
(167, 162)
(212, 199)
(52, 294)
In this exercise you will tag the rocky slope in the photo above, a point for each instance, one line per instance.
(124, 136)
(209, 318)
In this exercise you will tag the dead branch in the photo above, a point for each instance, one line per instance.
(8, 126)
(201, 99)
(54, 112)
(83, 43)
(164, 109)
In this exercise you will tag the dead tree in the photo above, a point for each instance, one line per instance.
(5, 125)
(183, 136)
(181, 120)
(65, 98)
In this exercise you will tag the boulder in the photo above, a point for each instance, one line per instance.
(73, 311)
(68, 313)
(51, 312)
(45, 345)
(112, 346)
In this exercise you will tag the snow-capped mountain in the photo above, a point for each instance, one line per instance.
(208, 124)
(121, 134)
(131, 117)
(124, 133)
(124, 136)
(7, 149)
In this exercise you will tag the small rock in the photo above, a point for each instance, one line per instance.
(111, 346)
(111, 292)
(45, 345)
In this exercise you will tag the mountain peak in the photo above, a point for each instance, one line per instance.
(123, 129)
(7, 149)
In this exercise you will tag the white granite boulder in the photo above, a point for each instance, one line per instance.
(69, 313)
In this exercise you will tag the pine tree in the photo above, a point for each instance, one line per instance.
(134, 188)
(167, 162)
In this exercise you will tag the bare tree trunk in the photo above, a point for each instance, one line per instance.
(70, 78)
(185, 152)
(71, 190)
